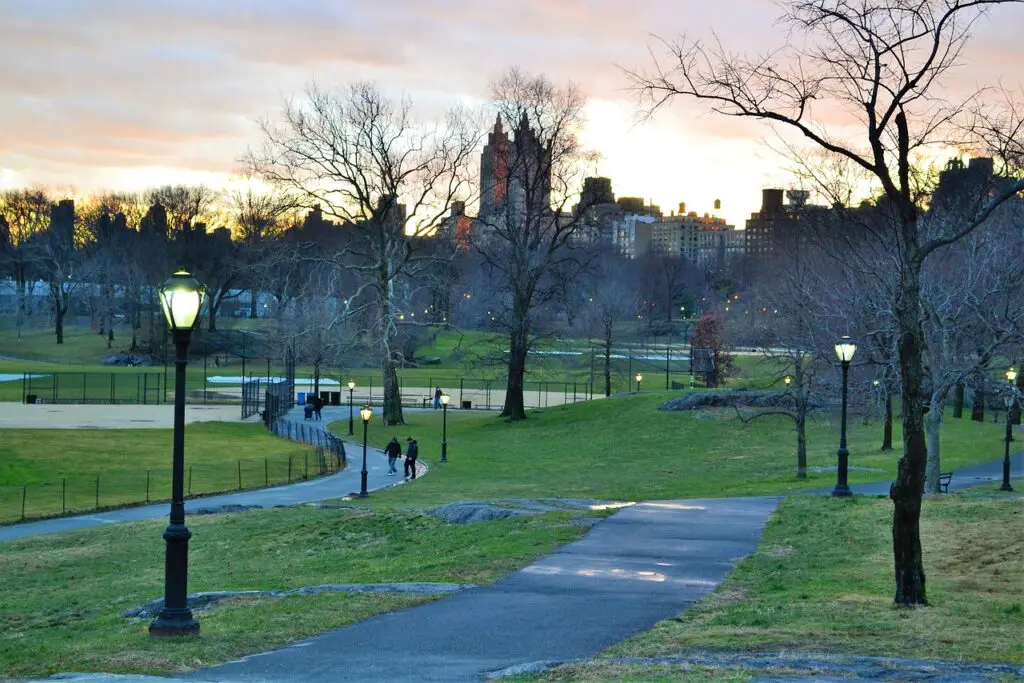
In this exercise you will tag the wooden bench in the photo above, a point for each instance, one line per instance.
(944, 479)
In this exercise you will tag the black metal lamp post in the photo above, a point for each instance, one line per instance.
(639, 378)
(181, 298)
(787, 380)
(444, 426)
(351, 388)
(366, 412)
(1011, 378)
(1010, 399)
(845, 349)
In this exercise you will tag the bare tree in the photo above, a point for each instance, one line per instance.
(881, 62)
(611, 301)
(184, 204)
(26, 214)
(391, 180)
(524, 232)
(258, 219)
(59, 262)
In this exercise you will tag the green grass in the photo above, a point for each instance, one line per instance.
(821, 581)
(71, 588)
(57, 469)
(626, 449)
(81, 345)
(993, 487)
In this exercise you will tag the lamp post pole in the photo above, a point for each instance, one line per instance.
(181, 296)
(362, 474)
(1006, 455)
(639, 378)
(351, 388)
(842, 488)
(444, 428)
(845, 349)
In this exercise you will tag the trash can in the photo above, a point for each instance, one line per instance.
(302, 398)
(30, 398)
(467, 405)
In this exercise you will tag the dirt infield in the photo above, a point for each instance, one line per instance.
(50, 416)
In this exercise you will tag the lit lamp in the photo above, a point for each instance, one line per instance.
(181, 298)
(351, 388)
(787, 380)
(845, 349)
(639, 378)
(365, 413)
(444, 426)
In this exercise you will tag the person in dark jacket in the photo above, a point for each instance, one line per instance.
(318, 405)
(437, 398)
(394, 451)
(412, 451)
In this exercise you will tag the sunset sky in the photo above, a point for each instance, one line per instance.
(106, 94)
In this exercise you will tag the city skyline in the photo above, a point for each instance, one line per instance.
(122, 95)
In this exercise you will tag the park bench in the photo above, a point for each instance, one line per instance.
(944, 479)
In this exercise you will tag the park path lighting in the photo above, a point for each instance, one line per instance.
(787, 380)
(845, 349)
(1010, 398)
(1011, 378)
(351, 388)
(444, 426)
(639, 378)
(365, 413)
(181, 298)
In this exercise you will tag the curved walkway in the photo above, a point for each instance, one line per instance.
(333, 486)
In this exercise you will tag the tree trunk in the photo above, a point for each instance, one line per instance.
(253, 296)
(801, 444)
(906, 491)
(58, 315)
(608, 365)
(933, 424)
(887, 427)
(392, 393)
(211, 310)
(958, 400)
(978, 407)
(514, 408)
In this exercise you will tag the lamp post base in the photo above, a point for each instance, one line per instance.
(174, 623)
(842, 491)
(362, 486)
(444, 452)
(1006, 487)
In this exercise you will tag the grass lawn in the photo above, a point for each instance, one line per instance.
(993, 487)
(821, 581)
(59, 468)
(625, 449)
(71, 588)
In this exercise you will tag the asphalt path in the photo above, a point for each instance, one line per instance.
(646, 563)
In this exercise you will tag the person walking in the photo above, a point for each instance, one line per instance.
(318, 405)
(412, 451)
(437, 398)
(394, 451)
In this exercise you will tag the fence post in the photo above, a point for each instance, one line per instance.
(63, 495)
(305, 466)
(204, 375)
(84, 378)
(147, 486)
(266, 473)
(461, 380)
(190, 480)
(112, 392)
(574, 392)
(289, 468)
(56, 386)
(24, 493)
(97, 493)
(487, 393)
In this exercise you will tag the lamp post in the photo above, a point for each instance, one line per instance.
(1011, 378)
(787, 380)
(639, 378)
(181, 298)
(366, 413)
(845, 348)
(351, 388)
(444, 426)
(1010, 399)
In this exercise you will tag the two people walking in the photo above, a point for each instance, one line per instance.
(394, 451)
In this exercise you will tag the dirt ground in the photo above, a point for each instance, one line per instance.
(51, 416)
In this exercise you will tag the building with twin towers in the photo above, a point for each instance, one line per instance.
(515, 174)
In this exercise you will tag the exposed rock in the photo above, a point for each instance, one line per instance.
(470, 512)
(231, 507)
(198, 601)
(128, 359)
(739, 398)
(532, 668)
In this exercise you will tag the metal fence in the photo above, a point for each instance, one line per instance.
(85, 493)
(93, 387)
(252, 398)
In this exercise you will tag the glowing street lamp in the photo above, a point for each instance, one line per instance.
(365, 413)
(444, 426)
(639, 378)
(1010, 399)
(181, 298)
(787, 380)
(845, 348)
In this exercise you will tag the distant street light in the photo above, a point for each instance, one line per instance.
(365, 413)
(444, 426)
(1010, 398)
(181, 298)
(639, 378)
(845, 349)
(351, 388)
(788, 380)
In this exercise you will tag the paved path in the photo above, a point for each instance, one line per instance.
(333, 486)
(644, 564)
